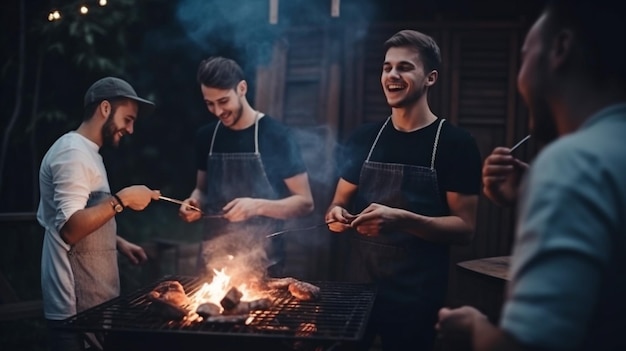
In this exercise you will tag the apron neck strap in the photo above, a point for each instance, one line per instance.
(435, 144)
(376, 140)
(256, 134)
(432, 158)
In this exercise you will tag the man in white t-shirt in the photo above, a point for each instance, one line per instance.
(77, 210)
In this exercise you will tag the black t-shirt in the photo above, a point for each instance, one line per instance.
(457, 160)
(280, 154)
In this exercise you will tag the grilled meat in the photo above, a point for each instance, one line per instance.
(304, 291)
(280, 283)
(168, 300)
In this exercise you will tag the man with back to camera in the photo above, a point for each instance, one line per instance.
(568, 267)
(79, 267)
(250, 177)
(408, 190)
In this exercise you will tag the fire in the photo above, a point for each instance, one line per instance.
(215, 291)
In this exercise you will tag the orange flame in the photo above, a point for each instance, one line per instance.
(215, 291)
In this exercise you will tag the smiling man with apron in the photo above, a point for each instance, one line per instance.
(79, 263)
(411, 273)
(232, 175)
(249, 172)
(408, 190)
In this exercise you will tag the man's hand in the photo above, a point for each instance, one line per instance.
(188, 214)
(138, 197)
(502, 174)
(240, 209)
(375, 219)
(135, 253)
(339, 219)
(455, 326)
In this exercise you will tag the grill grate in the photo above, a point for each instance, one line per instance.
(340, 314)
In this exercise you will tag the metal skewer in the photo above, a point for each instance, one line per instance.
(161, 197)
(299, 229)
(519, 143)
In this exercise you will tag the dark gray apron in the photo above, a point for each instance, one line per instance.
(411, 273)
(94, 264)
(240, 246)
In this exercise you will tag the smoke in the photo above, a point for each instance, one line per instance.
(224, 25)
(243, 27)
(241, 30)
(243, 255)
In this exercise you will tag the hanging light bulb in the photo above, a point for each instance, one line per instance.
(102, 2)
(84, 10)
(334, 8)
(273, 11)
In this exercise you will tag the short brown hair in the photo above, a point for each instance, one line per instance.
(219, 72)
(425, 45)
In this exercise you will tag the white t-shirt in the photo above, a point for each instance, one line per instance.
(70, 171)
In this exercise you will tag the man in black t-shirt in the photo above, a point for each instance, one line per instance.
(408, 190)
(250, 177)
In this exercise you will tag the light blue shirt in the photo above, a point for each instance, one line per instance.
(568, 271)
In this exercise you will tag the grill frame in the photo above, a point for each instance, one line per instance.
(340, 315)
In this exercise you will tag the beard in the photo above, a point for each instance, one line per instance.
(108, 132)
(542, 125)
(237, 113)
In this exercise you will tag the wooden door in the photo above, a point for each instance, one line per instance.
(300, 87)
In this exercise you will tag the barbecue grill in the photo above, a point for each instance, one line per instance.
(334, 321)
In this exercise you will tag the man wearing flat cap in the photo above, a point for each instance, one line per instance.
(77, 209)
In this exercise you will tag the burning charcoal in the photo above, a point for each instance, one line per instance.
(304, 291)
(260, 304)
(245, 307)
(208, 309)
(168, 310)
(231, 299)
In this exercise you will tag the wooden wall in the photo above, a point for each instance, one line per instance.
(325, 81)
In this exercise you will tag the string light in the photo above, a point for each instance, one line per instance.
(54, 15)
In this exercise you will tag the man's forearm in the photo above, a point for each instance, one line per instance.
(289, 207)
(451, 230)
(86, 221)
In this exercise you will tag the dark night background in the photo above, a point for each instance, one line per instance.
(156, 45)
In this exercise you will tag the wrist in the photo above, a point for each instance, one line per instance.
(333, 205)
(116, 203)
